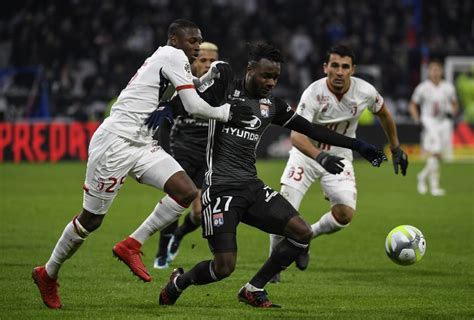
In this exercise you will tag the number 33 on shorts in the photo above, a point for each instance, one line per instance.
(296, 173)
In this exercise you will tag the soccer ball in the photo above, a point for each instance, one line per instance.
(405, 245)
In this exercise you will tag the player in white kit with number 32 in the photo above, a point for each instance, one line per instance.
(336, 101)
(123, 146)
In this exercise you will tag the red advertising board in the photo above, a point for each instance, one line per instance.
(42, 141)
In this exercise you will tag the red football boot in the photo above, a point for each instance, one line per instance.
(48, 288)
(128, 251)
(257, 299)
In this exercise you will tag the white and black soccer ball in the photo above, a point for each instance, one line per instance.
(405, 245)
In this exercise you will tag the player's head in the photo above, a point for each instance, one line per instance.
(263, 69)
(207, 54)
(339, 67)
(435, 70)
(185, 35)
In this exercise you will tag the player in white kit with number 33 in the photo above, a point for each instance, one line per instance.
(123, 146)
(336, 101)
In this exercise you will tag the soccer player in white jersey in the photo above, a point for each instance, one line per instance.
(438, 105)
(123, 146)
(336, 101)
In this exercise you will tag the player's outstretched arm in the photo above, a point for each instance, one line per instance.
(330, 163)
(217, 70)
(399, 157)
(195, 105)
(323, 134)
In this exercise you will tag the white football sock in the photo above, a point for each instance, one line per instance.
(434, 173)
(252, 288)
(73, 236)
(294, 197)
(166, 212)
(426, 170)
(326, 225)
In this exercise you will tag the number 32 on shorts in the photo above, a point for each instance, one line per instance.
(110, 184)
(296, 173)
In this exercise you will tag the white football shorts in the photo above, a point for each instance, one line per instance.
(112, 158)
(301, 171)
(436, 136)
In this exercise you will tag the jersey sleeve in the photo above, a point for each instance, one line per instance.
(375, 100)
(214, 93)
(178, 71)
(307, 107)
(283, 113)
(417, 95)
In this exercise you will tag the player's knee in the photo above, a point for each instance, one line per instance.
(90, 221)
(196, 215)
(189, 195)
(299, 230)
(343, 214)
(181, 188)
(224, 264)
(305, 235)
(224, 268)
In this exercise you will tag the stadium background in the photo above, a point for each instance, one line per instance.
(66, 61)
(62, 63)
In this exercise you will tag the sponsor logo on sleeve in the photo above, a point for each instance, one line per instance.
(187, 71)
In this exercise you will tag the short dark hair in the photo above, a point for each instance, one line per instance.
(263, 50)
(180, 24)
(436, 61)
(343, 50)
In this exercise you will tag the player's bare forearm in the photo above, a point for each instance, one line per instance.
(302, 143)
(455, 108)
(413, 109)
(389, 126)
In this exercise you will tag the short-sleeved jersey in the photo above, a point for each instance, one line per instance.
(231, 151)
(435, 101)
(166, 71)
(341, 114)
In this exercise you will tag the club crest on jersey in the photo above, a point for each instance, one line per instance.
(217, 219)
(353, 109)
(324, 107)
(236, 93)
(264, 110)
(265, 104)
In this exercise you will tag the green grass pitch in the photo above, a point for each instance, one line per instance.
(349, 276)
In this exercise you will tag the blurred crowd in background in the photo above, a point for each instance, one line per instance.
(70, 59)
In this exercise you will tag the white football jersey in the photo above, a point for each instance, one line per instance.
(162, 74)
(435, 101)
(341, 114)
